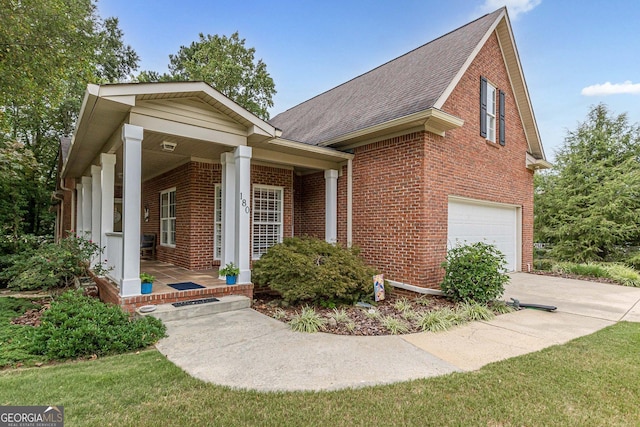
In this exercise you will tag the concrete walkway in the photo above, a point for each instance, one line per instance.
(245, 349)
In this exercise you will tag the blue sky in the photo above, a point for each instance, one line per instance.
(575, 53)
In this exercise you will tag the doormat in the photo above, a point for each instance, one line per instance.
(194, 302)
(185, 286)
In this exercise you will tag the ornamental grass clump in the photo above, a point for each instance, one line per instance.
(474, 273)
(435, 321)
(394, 325)
(311, 270)
(307, 321)
(472, 311)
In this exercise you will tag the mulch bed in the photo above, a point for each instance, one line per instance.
(273, 306)
(32, 317)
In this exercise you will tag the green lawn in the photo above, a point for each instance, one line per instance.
(594, 380)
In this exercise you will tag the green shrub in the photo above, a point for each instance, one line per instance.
(633, 261)
(77, 326)
(15, 340)
(53, 265)
(543, 264)
(589, 269)
(622, 274)
(307, 321)
(312, 270)
(15, 249)
(474, 272)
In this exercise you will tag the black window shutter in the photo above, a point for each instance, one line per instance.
(483, 107)
(502, 140)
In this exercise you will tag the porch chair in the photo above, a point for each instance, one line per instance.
(148, 246)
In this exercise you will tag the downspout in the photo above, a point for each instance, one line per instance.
(349, 203)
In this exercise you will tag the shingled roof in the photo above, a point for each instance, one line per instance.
(408, 84)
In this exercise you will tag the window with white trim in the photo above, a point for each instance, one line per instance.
(491, 112)
(267, 218)
(168, 217)
(217, 223)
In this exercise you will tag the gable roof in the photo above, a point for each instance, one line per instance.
(415, 82)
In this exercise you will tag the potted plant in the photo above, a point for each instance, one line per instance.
(147, 282)
(230, 272)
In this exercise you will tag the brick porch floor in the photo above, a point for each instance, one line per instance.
(167, 274)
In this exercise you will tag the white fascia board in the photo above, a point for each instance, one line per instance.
(432, 120)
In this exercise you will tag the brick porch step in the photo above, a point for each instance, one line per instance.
(168, 313)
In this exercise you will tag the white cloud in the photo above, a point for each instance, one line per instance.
(515, 7)
(609, 88)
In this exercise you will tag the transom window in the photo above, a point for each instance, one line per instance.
(217, 230)
(267, 218)
(168, 217)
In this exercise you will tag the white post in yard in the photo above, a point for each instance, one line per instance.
(86, 206)
(131, 186)
(107, 162)
(242, 157)
(331, 205)
(228, 209)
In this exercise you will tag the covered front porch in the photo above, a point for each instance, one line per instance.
(213, 182)
(167, 274)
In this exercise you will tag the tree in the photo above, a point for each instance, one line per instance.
(226, 64)
(589, 206)
(49, 51)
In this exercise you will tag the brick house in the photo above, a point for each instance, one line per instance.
(435, 146)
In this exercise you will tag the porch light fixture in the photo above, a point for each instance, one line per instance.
(168, 146)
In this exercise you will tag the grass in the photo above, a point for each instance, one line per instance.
(15, 339)
(591, 381)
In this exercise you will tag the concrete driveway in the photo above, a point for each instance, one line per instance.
(245, 349)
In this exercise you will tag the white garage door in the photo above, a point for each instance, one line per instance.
(478, 222)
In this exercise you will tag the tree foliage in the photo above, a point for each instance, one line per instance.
(49, 51)
(226, 64)
(588, 207)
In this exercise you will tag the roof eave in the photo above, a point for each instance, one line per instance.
(431, 120)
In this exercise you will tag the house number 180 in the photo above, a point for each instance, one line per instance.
(244, 205)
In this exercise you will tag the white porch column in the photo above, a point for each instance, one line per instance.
(96, 208)
(131, 186)
(331, 205)
(86, 206)
(242, 156)
(107, 163)
(228, 209)
(79, 224)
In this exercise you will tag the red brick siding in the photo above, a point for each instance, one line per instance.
(195, 193)
(311, 197)
(485, 170)
(401, 185)
(195, 203)
(388, 207)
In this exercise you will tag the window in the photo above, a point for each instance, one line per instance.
(168, 217)
(217, 224)
(267, 218)
(489, 96)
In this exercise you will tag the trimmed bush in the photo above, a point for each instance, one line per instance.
(77, 326)
(312, 270)
(474, 273)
